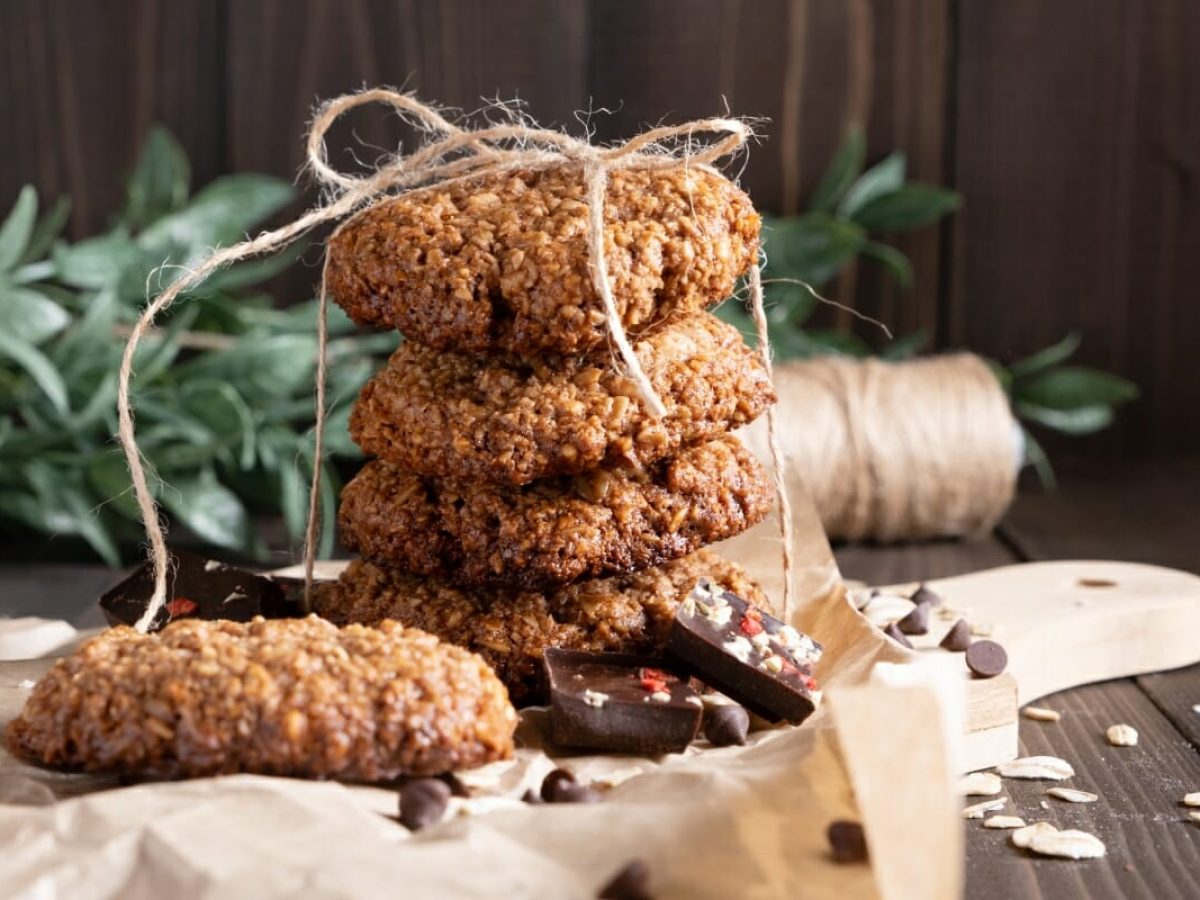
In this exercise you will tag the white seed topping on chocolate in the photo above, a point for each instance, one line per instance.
(661, 697)
(595, 698)
(773, 664)
(739, 647)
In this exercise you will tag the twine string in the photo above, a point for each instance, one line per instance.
(450, 154)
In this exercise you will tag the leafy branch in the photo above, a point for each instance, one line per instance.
(223, 387)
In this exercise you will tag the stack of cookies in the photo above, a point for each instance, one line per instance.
(522, 495)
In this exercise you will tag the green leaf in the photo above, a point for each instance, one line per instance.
(1075, 387)
(209, 509)
(264, 369)
(108, 475)
(159, 184)
(885, 177)
(1047, 357)
(1001, 374)
(912, 206)
(28, 315)
(1076, 421)
(17, 228)
(812, 248)
(218, 405)
(98, 262)
(842, 171)
(218, 215)
(38, 367)
(88, 525)
(337, 433)
(892, 259)
(905, 347)
(1036, 457)
(47, 230)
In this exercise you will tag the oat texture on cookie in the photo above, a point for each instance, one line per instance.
(525, 493)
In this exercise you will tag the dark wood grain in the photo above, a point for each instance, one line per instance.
(1153, 850)
(1077, 149)
(80, 84)
(914, 562)
(1177, 696)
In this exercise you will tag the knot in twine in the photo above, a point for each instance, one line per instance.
(451, 153)
(908, 450)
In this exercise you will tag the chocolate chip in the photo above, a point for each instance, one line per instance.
(958, 638)
(924, 595)
(847, 841)
(551, 783)
(423, 803)
(726, 725)
(631, 883)
(898, 636)
(530, 796)
(917, 621)
(457, 788)
(986, 659)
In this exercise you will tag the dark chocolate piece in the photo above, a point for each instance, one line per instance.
(631, 883)
(746, 654)
(986, 659)
(618, 702)
(847, 841)
(457, 788)
(897, 635)
(574, 792)
(958, 638)
(726, 725)
(197, 588)
(917, 621)
(423, 803)
(530, 796)
(553, 781)
(923, 594)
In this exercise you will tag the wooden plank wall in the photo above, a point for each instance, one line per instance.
(1071, 127)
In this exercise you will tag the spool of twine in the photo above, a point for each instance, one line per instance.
(899, 451)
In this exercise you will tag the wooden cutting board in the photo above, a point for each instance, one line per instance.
(1064, 624)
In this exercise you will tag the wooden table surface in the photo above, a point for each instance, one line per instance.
(1143, 515)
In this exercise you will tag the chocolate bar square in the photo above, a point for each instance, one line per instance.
(197, 588)
(619, 702)
(746, 654)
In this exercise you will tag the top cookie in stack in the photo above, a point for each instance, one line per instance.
(514, 457)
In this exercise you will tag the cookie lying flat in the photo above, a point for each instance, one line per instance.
(292, 697)
(510, 629)
(556, 530)
(501, 418)
(501, 262)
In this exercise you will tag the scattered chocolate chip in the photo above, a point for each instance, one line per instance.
(457, 788)
(958, 638)
(924, 595)
(631, 883)
(917, 621)
(530, 796)
(423, 803)
(847, 841)
(726, 725)
(986, 659)
(898, 636)
(551, 783)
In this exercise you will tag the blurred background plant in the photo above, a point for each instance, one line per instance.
(850, 208)
(223, 387)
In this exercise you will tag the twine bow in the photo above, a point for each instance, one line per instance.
(451, 154)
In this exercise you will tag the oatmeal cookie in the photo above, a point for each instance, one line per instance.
(295, 697)
(507, 419)
(556, 530)
(510, 628)
(501, 262)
